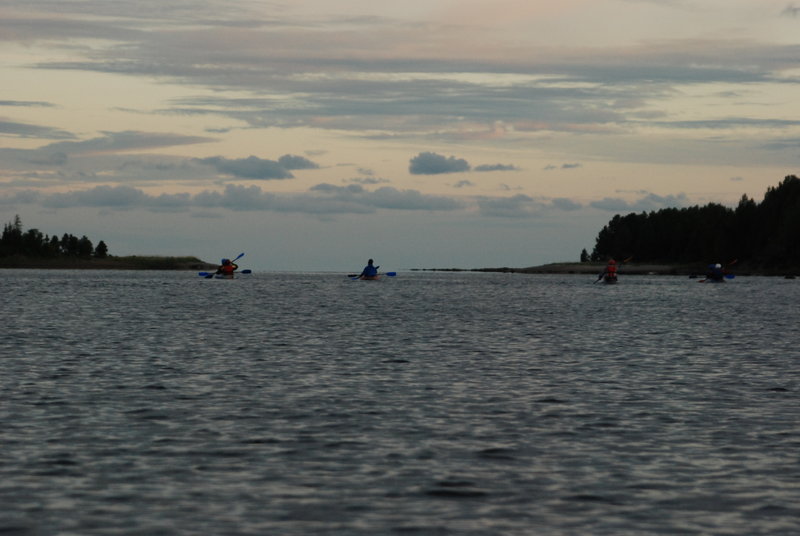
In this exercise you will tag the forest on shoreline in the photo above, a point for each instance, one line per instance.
(760, 237)
(753, 238)
(33, 249)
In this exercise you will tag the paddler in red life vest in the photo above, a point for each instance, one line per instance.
(227, 268)
(610, 272)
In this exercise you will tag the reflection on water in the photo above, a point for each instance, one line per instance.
(154, 402)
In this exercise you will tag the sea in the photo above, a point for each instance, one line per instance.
(429, 403)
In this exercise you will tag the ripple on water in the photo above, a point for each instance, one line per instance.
(426, 404)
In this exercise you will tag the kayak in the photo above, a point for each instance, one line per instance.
(610, 279)
(214, 275)
(717, 279)
(357, 277)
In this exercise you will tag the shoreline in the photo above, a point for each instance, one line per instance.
(131, 262)
(593, 268)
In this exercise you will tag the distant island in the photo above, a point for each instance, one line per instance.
(754, 238)
(32, 249)
(130, 262)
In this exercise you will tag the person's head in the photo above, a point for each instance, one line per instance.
(370, 262)
(612, 261)
(226, 262)
(718, 265)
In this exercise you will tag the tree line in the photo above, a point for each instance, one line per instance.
(33, 243)
(763, 234)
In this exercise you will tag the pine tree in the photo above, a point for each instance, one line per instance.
(101, 251)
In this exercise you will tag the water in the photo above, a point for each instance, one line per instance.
(430, 403)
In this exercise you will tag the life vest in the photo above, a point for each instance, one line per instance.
(228, 269)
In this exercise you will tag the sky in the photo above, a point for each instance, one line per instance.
(313, 134)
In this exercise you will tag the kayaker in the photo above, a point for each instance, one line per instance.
(610, 271)
(715, 272)
(369, 271)
(227, 268)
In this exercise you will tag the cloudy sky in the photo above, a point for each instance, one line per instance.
(314, 134)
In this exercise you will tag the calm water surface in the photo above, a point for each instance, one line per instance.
(430, 403)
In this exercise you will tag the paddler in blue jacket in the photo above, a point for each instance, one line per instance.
(715, 272)
(369, 271)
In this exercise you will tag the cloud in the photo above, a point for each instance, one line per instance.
(124, 141)
(551, 167)
(524, 206)
(26, 104)
(646, 203)
(296, 162)
(99, 196)
(731, 123)
(463, 184)
(517, 206)
(428, 163)
(563, 203)
(388, 197)
(783, 144)
(57, 158)
(434, 164)
(369, 180)
(236, 197)
(25, 130)
(251, 167)
(791, 11)
(320, 199)
(409, 78)
(495, 167)
(112, 157)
